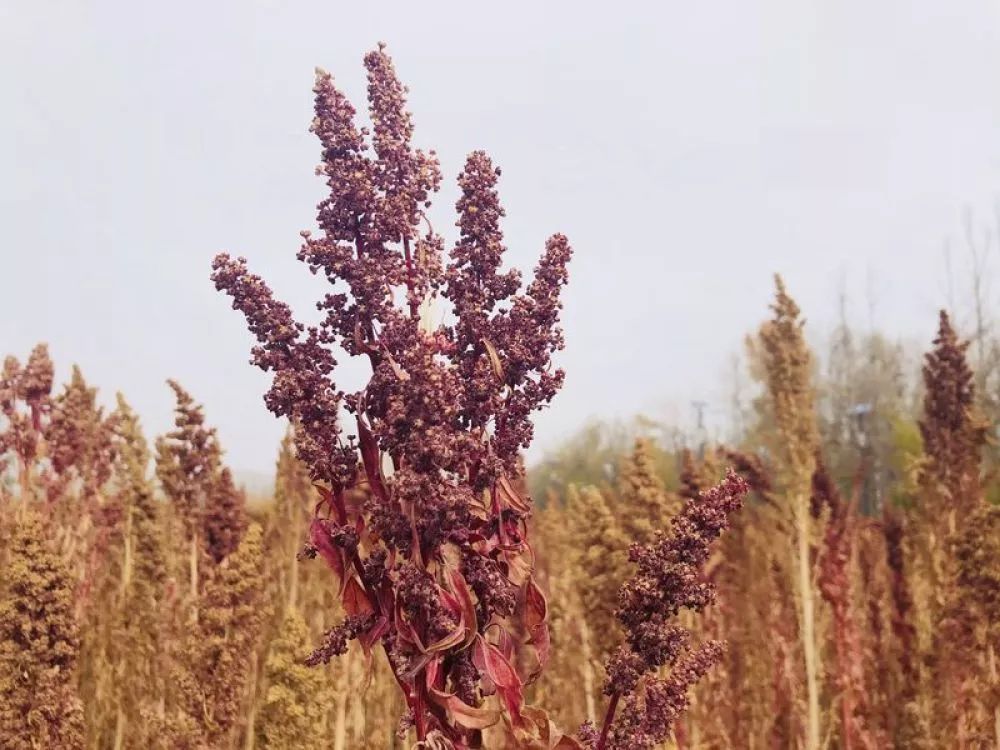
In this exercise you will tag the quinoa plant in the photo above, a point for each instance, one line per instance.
(139, 682)
(643, 704)
(79, 440)
(953, 433)
(599, 563)
(39, 646)
(201, 489)
(835, 581)
(787, 364)
(25, 403)
(434, 562)
(951, 497)
(293, 704)
(211, 681)
(645, 504)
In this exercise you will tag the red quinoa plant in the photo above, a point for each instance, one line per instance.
(669, 578)
(835, 580)
(25, 403)
(434, 563)
(431, 564)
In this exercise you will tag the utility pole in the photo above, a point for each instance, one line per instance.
(702, 432)
(870, 501)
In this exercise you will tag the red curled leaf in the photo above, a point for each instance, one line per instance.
(462, 713)
(319, 537)
(494, 665)
(406, 631)
(536, 607)
(355, 598)
(536, 612)
(458, 635)
(467, 606)
(371, 457)
(505, 643)
(418, 663)
(454, 638)
(325, 498)
(367, 640)
(432, 672)
(370, 637)
(470, 717)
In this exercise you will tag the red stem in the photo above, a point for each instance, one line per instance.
(414, 700)
(609, 717)
(418, 709)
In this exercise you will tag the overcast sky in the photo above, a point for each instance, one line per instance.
(689, 150)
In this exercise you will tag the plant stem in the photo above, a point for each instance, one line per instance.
(808, 625)
(588, 672)
(609, 717)
(418, 710)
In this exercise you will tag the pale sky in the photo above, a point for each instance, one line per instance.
(689, 150)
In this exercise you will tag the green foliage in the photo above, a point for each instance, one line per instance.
(907, 449)
(594, 455)
(589, 457)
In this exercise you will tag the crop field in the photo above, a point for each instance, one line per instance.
(822, 574)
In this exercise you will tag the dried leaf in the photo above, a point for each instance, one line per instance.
(538, 732)
(495, 362)
(372, 636)
(367, 640)
(519, 567)
(435, 741)
(420, 662)
(505, 642)
(397, 370)
(509, 497)
(471, 717)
